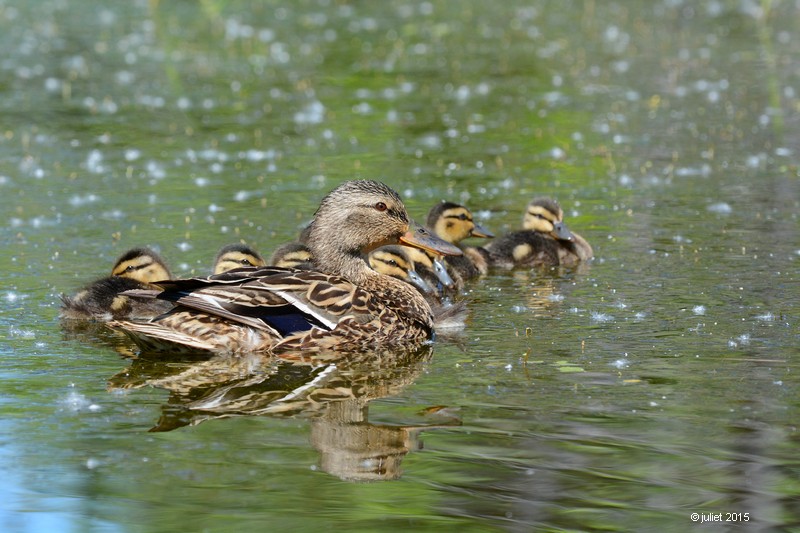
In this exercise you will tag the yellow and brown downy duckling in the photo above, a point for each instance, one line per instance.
(103, 300)
(453, 223)
(293, 254)
(544, 240)
(343, 305)
(394, 261)
(237, 256)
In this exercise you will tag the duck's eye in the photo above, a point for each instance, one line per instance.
(246, 262)
(380, 206)
(462, 216)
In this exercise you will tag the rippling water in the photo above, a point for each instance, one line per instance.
(656, 382)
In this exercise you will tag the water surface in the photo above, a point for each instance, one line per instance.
(657, 381)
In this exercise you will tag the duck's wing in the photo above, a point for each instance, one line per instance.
(280, 301)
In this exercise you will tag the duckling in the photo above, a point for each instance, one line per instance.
(237, 256)
(544, 241)
(103, 300)
(453, 223)
(394, 261)
(293, 254)
(342, 305)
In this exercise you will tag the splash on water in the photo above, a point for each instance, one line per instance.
(600, 318)
(76, 402)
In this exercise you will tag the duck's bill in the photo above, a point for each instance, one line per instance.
(423, 238)
(480, 231)
(562, 232)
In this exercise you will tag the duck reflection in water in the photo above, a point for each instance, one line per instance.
(333, 393)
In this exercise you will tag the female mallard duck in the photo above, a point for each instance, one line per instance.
(544, 241)
(453, 223)
(103, 299)
(237, 256)
(341, 306)
(394, 261)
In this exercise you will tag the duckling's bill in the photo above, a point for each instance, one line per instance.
(415, 279)
(443, 276)
(562, 232)
(480, 231)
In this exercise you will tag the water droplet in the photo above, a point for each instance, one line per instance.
(721, 208)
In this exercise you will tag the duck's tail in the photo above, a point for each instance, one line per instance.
(154, 338)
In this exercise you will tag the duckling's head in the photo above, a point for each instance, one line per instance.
(544, 215)
(453, 223)
(236, 256)
(394, 261)
(141, 264)
(291, 255)
(357, 217)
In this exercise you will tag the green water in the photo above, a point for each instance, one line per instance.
(658, 381)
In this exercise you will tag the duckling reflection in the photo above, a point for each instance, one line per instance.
(334, 394)
(541, 291)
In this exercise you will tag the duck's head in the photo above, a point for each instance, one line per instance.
(394, 261)
(544, 215)
(454, 223)
(236, 256)
(357, 217)
(141, 264)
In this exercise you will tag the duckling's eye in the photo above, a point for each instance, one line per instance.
(462, 216)
(246, 262)
(380, 206)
